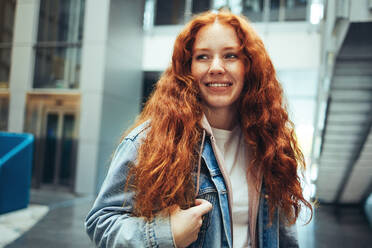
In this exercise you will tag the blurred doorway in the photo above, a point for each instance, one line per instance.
(4, 110)
(54, 120)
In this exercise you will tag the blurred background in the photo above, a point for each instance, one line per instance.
(75, 74)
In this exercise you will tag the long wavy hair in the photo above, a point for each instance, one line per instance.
(167, 157)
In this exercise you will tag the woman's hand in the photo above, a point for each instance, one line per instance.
(186, 223)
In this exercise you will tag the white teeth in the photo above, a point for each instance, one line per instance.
(218, 85)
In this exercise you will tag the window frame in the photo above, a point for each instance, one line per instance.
(55, 44)
(150, 12)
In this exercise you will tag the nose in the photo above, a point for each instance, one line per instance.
(216, 66)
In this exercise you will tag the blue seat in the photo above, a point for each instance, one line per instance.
(16, 153)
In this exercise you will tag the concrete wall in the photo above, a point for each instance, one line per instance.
(91, 86)
(123, 77)
(22, 62)
(360, 10)
(339, 15)
(111, 84)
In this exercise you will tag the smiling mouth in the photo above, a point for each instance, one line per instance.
(218, 84)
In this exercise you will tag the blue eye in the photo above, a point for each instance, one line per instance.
(231, 56)
(202, 57)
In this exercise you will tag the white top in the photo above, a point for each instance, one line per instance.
(234, 150)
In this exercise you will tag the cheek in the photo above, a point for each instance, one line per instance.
(239, 72)
(198, 70)
(194, 70)
(240, 75)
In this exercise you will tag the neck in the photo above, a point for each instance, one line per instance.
(221, 118)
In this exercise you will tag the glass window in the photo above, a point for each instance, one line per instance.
(4, 66)
(61, 20)
(275, 7)
(59, 40)
(4, 111)
(253, 9)
(149, 82)
(176, 12)
(67, 155)
(51, 142)
(288, 10)
(57, 67)
(199, 6)
(169, 12)
(296, 10)
(7, 10)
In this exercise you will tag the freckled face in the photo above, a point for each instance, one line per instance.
(218, 67)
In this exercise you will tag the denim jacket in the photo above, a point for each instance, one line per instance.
(110, 222)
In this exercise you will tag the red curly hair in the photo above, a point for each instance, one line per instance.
(169, 153)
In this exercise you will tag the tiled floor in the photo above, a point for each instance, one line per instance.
(16, 223)
(63, 226)
(341, 227)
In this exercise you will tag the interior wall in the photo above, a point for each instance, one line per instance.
(92, 79)
(122, 92)
(111, 84)
(22, 61)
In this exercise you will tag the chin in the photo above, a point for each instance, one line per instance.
(218, 105)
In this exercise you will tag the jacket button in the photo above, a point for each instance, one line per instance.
(266, 196)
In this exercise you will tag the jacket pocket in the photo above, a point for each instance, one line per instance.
(211, 196)
(206, 191)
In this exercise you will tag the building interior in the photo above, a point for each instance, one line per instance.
(76, 73)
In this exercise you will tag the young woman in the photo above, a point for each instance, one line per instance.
(212, 159)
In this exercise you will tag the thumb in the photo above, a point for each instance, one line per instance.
(202, 206)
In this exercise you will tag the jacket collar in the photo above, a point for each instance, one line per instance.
(206, 126)
(254, 181)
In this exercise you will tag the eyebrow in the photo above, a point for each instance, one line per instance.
(225, 48)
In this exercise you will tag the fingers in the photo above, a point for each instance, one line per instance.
(199, 201)
(202, 206)
(186, 223)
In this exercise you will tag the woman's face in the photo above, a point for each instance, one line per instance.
(218, 67)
